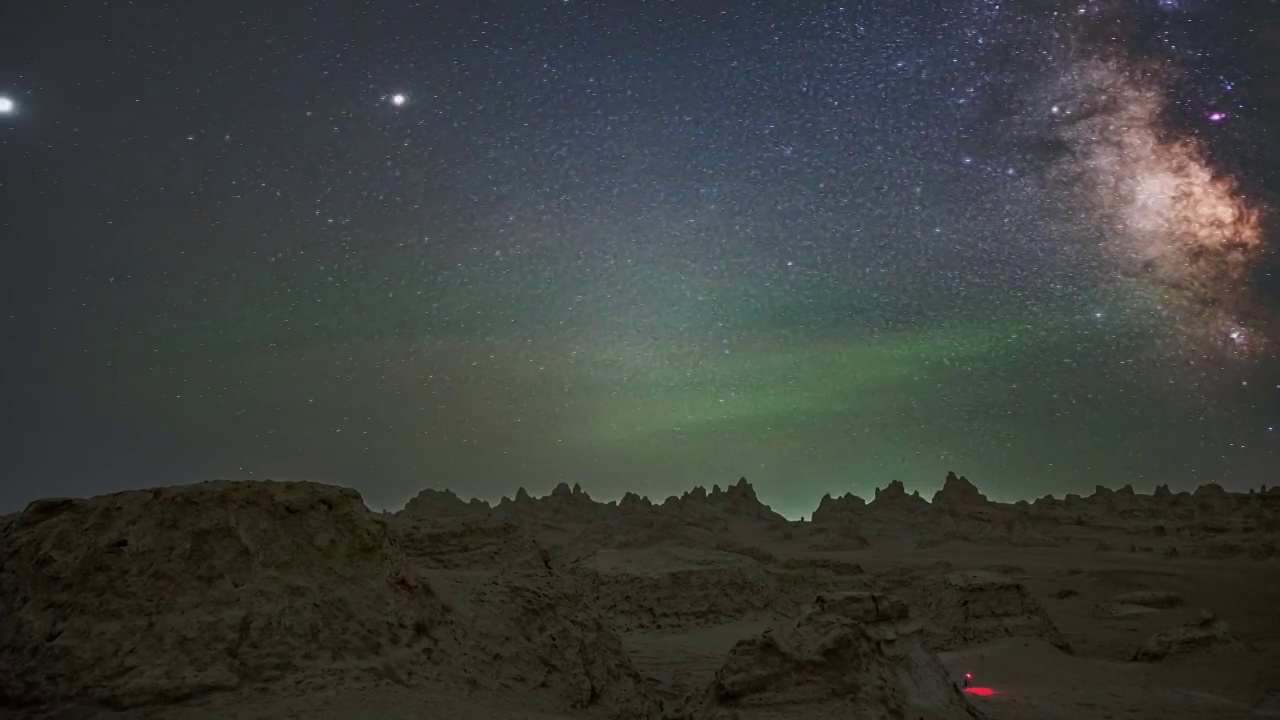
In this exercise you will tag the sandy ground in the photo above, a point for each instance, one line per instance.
(293, 600)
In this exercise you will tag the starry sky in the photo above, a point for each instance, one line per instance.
(640, 245)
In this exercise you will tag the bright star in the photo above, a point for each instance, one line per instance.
(399, 99)
(7, 105)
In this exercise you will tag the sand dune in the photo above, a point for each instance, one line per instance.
(272, 599)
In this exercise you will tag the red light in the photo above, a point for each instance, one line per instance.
(983, 691)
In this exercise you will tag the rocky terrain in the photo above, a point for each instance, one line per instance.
(281, 600)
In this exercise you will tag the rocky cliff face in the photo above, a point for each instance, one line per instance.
(148, 598)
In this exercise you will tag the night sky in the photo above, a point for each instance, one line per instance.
(640, 245)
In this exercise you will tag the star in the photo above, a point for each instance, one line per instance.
(399, 99)
(7, 105)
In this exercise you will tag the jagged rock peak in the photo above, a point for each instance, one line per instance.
(742, 489)
(894, 490)
(1210, 490)
(833, 509)
(431, 502)
(895, 494)
(738, 499)
(848, 499)
(563, 492)
(632, 500)
(958, 491)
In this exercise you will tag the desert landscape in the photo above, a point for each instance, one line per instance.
(295, 600)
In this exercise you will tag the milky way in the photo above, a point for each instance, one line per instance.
(1173, 225)
(1171, 230)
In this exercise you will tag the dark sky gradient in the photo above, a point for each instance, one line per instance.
(634, 245)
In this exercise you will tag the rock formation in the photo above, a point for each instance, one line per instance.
(442, 503)
(968, 607)
(958, 491)
(851, 654)
(149, 597)
(154, 597)
(1208, 523)
(1203, 633)
(894, 497)
(831, 510)
(146, 600)
(675, 587)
